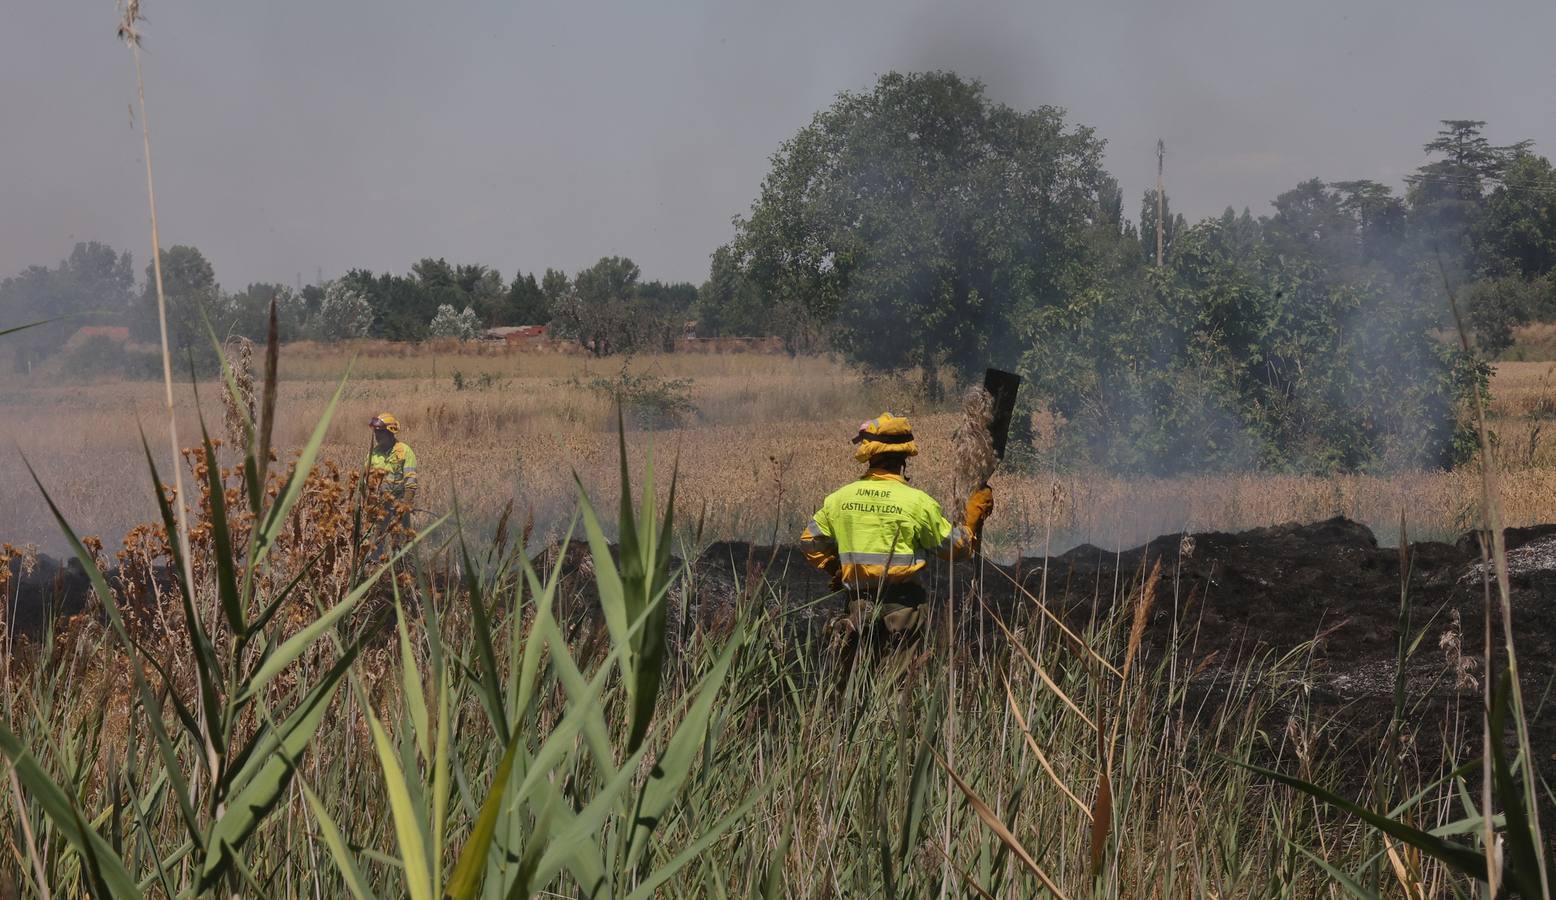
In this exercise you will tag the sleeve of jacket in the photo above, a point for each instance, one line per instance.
(408, 469)
(819, 543)
(961, 541)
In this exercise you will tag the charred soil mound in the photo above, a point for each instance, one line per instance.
(1266, 591)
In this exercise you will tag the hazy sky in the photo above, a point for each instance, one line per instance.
(292, 137)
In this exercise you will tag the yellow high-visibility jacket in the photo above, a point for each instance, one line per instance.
(398, 466)
(880, 529)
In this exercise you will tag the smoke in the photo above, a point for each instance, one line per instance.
(1011, 66)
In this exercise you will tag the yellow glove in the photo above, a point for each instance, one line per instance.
(979, 505)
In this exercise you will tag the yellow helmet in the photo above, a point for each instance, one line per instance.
(387, 422)
(884, 434)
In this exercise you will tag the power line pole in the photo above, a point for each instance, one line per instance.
(1161, 155)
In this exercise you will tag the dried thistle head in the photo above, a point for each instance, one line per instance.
(129, 11)
(240, 409)
(971, 444)
(1463, 667)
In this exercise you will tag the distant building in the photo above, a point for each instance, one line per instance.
(116, 333)
(517, 335)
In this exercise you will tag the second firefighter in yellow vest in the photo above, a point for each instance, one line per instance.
(875, 535)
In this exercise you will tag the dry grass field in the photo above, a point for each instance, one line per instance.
(767, 440)
(1116, 737)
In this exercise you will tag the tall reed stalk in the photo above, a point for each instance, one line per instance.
(129, 32)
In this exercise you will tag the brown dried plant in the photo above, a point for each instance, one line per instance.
(240, 408)
(972, 446)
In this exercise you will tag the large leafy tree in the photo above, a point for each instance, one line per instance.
(1519, 228)
(663, 310)
(1380, 220)
(1254, 347)
(1448, 195)
(343, 314)
(598, 311)
(401, 307)
(247, 312)
(484, 292)
(924, 224)
(1173, 224)
(1312, 222)
(729, 304)
(93, 285)
(527, 303)
(193, 298)
(449, 322)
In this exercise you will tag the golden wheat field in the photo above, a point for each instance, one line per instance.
(767, 440)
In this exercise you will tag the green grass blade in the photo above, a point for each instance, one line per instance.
(1522, 869)
(772, 881)
(579, 838)
(583, 859)
(411, 684)
(544, 596)
(596, 733)
(15, 328)
(675, 763)
(613, 603)
(104, 865)
(490, 681)
(470, 870)
(654, 582)
(172, 768)
(1471, 825)
(410, 831)
(552, 806)
(339, 852)
(165, 865)
(253, 479)
(110, 607)
(627, 536)
(440, 778)
(207, 671)
(646, 890)
(221, 540)
(1350, 884)
(303, 571)
(1459, 857)
(559, 742)
(259, 793)
(918, 789)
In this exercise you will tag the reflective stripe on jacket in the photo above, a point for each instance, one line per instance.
(398, 465)
(882, 529)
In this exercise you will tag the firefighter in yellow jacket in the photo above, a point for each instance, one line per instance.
(876, 535)
(392, 459)
(393, 462)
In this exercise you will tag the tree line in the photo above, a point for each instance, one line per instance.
(606, 307)
(920, 228)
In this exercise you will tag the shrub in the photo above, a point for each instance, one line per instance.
(650, 401)
(450, 323)
(343, 314)
(483, 382)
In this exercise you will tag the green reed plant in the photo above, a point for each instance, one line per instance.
(228, 756)
(527, 831)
